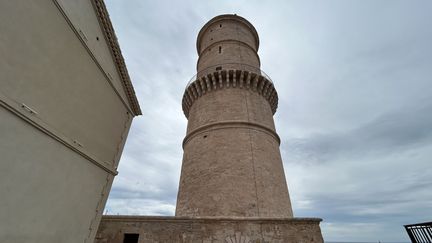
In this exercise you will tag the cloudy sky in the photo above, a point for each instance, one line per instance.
(354, 80)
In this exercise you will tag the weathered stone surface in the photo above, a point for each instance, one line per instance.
(231, 164)
(209, 230)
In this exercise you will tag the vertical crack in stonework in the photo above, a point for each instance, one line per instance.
(252, 155)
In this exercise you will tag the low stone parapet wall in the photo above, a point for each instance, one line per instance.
(151, 229)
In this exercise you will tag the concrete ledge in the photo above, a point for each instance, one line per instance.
(209, 229)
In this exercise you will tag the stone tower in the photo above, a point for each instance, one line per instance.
(232, 185)
(232, 164)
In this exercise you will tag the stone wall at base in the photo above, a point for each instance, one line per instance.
(164, 229)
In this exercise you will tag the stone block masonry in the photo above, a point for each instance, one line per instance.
(113, 229)
(231, 164)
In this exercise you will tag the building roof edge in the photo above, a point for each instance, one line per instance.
(110, 36)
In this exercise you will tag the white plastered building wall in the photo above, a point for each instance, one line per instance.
(66, 106)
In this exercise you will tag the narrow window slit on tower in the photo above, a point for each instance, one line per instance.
(220, 49)
(220, 25)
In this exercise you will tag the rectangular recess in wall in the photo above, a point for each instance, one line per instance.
(130, 238)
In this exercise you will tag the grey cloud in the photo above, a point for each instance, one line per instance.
(385, 193)
(388, 133)
(163, 194)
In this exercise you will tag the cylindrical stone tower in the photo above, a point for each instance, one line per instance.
(232, 164)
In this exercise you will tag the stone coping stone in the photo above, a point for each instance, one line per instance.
(209, 218)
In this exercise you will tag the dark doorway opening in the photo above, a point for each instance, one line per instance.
(130, 238)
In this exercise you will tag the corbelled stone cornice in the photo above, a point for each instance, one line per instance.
(225, 79)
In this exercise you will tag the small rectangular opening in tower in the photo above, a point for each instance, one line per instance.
(220, 49)
(130, 238)
(218, 68)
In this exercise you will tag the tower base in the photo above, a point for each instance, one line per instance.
(114, 229)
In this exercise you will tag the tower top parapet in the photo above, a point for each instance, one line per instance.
(225, 18)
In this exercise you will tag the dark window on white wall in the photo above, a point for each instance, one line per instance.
(131, 238)
(220, 25)
(220, 49)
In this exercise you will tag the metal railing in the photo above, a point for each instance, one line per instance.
(228, 66)
(420, 233)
